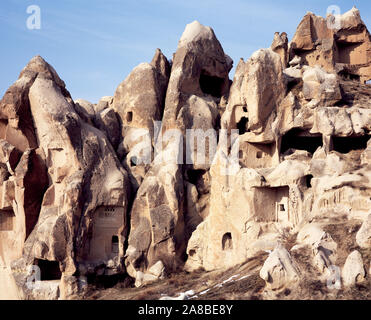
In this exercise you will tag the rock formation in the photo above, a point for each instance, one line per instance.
(184, 169)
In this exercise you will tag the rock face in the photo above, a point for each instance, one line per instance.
(183, 169)
(67, 178)
(353, 271)
(279, 270)
(363, 236)
(339, 44)
(198, 81)
(139, 102)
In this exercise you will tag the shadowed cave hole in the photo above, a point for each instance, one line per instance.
(242, 125)
(300, 140)
(347, 52)
(308, 180)
(348, 144)
(195, 175)
(227, 243)
(211, 85)
(133, 161)
(115, 244)
(129, 116)
(49, 269)
(346, 75)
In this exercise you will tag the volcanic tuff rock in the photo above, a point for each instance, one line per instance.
(90, 191)
(67, 172)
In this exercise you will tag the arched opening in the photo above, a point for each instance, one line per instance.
(211, 85)
(227, 243)
(348, 144)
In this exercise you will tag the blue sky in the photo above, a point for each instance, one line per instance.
(95, 44)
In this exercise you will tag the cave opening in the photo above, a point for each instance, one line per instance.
(299, 139)
(346, 75)
(192, 252)
(133, 161)
(194, 176)
(227, 243)
(129, 116)
(211, 85)
(115, 244)
(308, 180)
(49, 270)
(368, 82)
(242, 125)
(348, 144)
(350, 53)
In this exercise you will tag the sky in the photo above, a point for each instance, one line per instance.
(94, 44)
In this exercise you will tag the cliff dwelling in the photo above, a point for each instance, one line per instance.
(242, 125)
(104, 242)
(129, 116)
(348, 144)
(351, 53)
(256, 155)
(49, 270)
(227, 243)
(272, 204)
(6, 220)
(211, 85)
(299, 139)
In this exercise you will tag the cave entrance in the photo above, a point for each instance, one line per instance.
(129, 116)
(194, 176)
(351, 53)
(299, 139)
(308, 180)
(242, 125)
(211, 85)
(272, 204)
(368, 82)
(348, 144)
(104, 241)
(6, 220)
(115, 245)
(49, 270)
(227, 243)
(346, 75)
